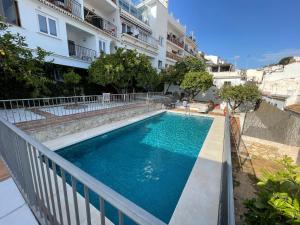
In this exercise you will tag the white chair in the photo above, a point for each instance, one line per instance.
(106, 98)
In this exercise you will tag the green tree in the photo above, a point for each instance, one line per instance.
(278, 197)
(72, 79)
(239, 94)
(175, 74)
(21, 69)
(122, 70)
(196, 82)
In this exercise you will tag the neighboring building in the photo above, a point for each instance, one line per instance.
(281, 85)
(78, 31)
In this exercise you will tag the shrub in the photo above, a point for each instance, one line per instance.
(278, 196)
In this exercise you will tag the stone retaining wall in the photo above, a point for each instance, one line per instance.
(51, 132)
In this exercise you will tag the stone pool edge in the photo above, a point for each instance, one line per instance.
(199, 201)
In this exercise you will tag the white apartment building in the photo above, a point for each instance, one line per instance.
(78, 31)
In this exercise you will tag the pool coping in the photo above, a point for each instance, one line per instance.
(199, 201)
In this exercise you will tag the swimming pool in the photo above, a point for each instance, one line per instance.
(148, 162)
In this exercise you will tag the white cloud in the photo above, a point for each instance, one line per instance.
(276, 56)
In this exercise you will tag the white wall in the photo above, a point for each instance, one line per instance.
(284, 82)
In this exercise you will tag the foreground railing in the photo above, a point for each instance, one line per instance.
(38, 109)
(226, 207)
(51, 185)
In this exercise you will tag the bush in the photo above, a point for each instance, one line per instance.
(278, 197)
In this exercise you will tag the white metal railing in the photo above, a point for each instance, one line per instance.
(37, 109)
(50, 185)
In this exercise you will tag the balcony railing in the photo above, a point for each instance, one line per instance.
(173, 56)
(132, 10)
(70, 6)
(176, 41)
(149, 39)
(81, 53)
(100, 23)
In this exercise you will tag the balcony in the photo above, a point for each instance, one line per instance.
(81, 44)
(146, 39)
(99, 22)
(133, 11)
(173, 56)
(70, 6)
(107, 7)
(82, 53)
(175, 40)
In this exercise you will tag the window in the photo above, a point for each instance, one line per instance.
(123, 28)
(126, 28)
(52, 27)
(10, 12)
(102, 46)
(43, 24)
(227, 83)
(159, 64)
(47, 25)
(161, 40)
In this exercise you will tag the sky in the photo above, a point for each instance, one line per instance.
(250, 33)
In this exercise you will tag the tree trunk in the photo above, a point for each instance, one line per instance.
(168, 88)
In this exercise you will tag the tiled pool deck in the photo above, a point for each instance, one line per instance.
(13, 209)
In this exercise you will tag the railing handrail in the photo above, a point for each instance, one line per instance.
(127, 207)
(77, 96)
(150, 40)
(176, 41)
(92, 50)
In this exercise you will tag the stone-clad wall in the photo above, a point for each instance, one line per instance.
(273, 124)
(51, 132)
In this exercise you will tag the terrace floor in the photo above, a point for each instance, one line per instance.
(13, 209)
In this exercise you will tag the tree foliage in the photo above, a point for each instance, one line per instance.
(278, 197)
(123, 70)
(239, 94)
(72, 79)
(196, 82)
(175, 74)
(21, 69)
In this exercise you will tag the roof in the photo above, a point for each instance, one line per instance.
(294, 108)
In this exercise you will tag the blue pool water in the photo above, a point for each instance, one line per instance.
(148, 162)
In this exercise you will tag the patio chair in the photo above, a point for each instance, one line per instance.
(106, 98)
